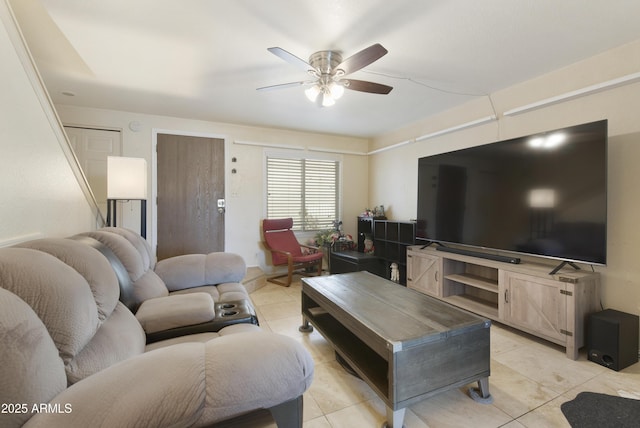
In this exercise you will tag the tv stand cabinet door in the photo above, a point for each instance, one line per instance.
(424, 272)
(536, 305)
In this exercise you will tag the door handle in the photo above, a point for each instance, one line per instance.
(221, 206)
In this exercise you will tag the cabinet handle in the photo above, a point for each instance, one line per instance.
(436, 276)
(506, 296)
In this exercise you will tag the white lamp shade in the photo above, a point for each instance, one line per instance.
(126, 178)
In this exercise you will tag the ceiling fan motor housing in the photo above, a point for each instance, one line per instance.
(325, 61)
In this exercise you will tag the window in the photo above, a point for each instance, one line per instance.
(304, 189)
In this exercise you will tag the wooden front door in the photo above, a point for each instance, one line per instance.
(190, 184)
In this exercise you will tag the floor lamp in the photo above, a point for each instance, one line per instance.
(127, 181)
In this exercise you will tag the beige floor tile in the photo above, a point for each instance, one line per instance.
(514, 393)
(454, 409)
(376, 410)
(334, 389)
(549, 366)
(515, 424)
(320, 422)
(311, 410)
(279, 310)
(359, 415)
(625, 383)
(548, 416)
(268, 295)
(319, 348)
(504, 339)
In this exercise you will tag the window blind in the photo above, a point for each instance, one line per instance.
(304, 189)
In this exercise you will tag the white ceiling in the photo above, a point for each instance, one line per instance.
(204, 59)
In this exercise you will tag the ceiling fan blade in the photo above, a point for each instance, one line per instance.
(362, 58)
(364, 86)
(291, 58)
(283, 85)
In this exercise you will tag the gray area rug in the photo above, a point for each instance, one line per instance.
(592, 410)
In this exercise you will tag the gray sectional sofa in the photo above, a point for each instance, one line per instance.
(73, 355)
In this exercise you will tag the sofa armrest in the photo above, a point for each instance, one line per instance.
(195, 270)
(160, 388)
(164, 313)
(187, 384)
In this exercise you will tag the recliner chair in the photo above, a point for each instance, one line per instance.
(181, 295)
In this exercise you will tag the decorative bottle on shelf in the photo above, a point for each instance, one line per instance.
(368, 244)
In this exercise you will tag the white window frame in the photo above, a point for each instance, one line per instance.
(297, 154)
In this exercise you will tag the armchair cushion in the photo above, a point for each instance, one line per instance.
(307, 258)
(164, 313)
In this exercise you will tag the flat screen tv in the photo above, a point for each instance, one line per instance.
(542, 195)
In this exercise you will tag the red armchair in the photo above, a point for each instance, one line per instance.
(278, 238)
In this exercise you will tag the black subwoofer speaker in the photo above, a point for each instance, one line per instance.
(612, 339)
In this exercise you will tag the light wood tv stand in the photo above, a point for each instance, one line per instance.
(524, 296)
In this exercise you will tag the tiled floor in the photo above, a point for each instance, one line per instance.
(530, 379)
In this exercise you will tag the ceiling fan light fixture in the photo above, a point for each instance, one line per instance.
(336, 90)
(327, 99)
(312, 93)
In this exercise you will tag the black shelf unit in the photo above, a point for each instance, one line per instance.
(365, 227)
(391, 239)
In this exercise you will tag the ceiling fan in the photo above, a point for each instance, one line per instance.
(329, 73)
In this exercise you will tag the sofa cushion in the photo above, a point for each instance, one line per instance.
(58, 294)
(120, 337)
(141, 245)
(164, 388)
(189, 384)
(146, 283)
(282, 369)
(31, 370)
(164, 313)
(89, 263)
(227, 292)
(194, 270)
(203, 337)
(89, 336)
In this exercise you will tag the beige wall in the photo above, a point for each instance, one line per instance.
(397, 169)
(39, 194)
(245, 189)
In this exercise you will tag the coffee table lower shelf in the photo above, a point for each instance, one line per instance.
(353, 351)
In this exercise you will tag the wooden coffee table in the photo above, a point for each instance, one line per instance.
(405, 345)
